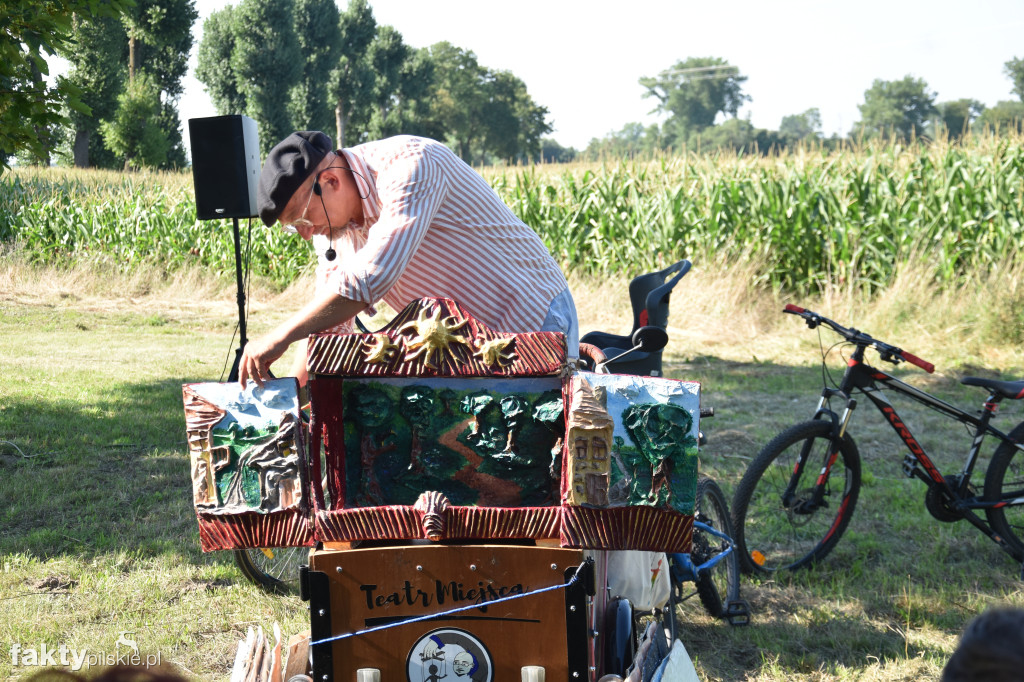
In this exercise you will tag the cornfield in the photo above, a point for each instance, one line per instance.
(808, 218)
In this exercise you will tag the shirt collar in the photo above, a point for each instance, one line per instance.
(366, 183)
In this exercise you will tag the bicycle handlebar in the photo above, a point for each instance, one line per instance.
(885, 351)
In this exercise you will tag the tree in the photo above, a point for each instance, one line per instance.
(1004, 117)
(134, 132)
(97, 67)
(159, 39)
(483, 114)
(896, 108)
(694, 92)
(1014, 69)
(267, 63)
(213, 68)
(316, 28)
(800, 126)
(29, 108)
(459, 97)
(957, 116)
(351, 80)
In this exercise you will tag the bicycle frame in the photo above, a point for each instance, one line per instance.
(862, 378)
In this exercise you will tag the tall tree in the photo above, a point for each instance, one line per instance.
(213, 68)
(352, 79)
(514, 122)
(459, 98)
(267, 63)
(166, 40)
(29, 108)
(896, 108)
(97, 66)
(134, 132)
(316, 29)
(694, 92)
(1015, 70)
(1004, 117)
(800, 126)
(958, 115)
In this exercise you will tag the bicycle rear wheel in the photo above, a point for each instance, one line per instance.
(719, 584)
(1004, 480)
(273, 568)
(776, 530)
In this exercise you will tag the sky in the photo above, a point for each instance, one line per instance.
(583, 59)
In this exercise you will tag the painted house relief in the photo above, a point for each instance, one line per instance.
(244, 447)
(648, 457)
(589, 435)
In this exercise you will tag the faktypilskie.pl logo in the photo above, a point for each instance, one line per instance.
(126, 652)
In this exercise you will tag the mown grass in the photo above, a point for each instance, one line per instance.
(98, 536)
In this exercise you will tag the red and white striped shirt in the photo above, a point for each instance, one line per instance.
(433, 227)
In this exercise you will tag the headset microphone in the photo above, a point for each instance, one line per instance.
(330, 254)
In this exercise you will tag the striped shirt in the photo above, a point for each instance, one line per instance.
(432, 227)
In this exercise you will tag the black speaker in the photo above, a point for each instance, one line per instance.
(225, 166)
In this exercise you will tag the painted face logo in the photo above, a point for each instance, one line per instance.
(451, 654)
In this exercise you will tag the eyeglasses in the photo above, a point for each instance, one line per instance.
(301, 222)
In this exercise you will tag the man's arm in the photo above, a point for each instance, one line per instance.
(323, 312)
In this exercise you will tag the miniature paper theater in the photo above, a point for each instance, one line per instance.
(438, 427)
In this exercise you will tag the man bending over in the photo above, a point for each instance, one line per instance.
(412, 220)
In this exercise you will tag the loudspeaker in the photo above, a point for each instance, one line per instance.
(225, 166)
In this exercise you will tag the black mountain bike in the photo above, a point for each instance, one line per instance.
(798, 495)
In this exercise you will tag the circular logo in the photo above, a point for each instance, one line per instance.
(449, 654)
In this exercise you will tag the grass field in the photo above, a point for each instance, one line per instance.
(98, 538)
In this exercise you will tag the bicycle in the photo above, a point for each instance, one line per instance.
(799, 493)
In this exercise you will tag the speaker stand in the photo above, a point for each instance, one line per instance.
(241, 305)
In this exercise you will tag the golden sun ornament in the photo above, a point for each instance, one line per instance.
(433, 336)
(493, 353)
(380, 349)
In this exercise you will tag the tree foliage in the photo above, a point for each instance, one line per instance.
(899, 109)
(1014, 69)
(957, 116)
(32, 30)
(326, 63)
(801, 126)
(316, 29)
(97, 61)
(266, 62)
(134, 132)
(352, 79)
(694, 92)
(1005, 117)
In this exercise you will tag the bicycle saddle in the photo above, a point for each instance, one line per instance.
(1007, 389)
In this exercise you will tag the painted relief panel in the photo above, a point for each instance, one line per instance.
(244, 446)
(631, 441)
(487, 442)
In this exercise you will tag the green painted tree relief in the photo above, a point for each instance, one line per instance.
(261, 463)
(476, 446)
(660, 467)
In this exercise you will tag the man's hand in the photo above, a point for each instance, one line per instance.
(325, 311)
(257, 357)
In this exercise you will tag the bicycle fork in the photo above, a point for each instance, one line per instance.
(790, 500)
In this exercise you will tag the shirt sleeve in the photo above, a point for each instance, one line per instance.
(410, 191)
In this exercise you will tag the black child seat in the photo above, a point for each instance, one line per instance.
(649, 295)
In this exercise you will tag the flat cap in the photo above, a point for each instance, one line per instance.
(286, 168)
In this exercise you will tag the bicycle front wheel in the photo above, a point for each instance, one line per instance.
(777, 521)
(1005, 481)
(719, 584)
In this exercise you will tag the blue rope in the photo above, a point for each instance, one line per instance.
(431, 616)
